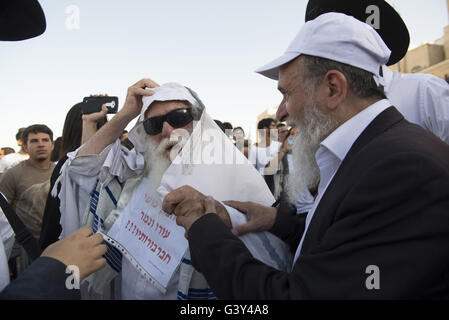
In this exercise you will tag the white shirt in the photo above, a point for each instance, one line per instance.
(10, 160)
(260, 156)
(333, 151)
(423, 99)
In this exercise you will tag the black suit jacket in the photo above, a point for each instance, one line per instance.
(387, 207)
(44, 279)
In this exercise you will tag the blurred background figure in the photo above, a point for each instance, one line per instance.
(265, 149)
(228, 129)
(238, 137)
(12, 159)
(125, 141)
(283, 131)
(56, 150)
(238, 134)
(5, 151)
(220, 125)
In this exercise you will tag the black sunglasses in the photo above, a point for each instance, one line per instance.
(177, 118)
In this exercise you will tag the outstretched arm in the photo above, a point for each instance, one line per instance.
(113, 129)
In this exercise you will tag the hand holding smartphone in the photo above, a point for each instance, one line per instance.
(93, 104)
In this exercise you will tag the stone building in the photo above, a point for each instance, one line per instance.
(430, 58)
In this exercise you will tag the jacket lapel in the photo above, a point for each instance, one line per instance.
(344, 178)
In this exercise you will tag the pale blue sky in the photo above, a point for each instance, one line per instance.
(211, 46)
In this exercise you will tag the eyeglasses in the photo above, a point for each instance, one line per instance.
(177, 118)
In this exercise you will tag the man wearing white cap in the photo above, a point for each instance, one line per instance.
(379, 226)
(108, 179)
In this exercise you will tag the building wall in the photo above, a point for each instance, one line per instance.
(427, 58)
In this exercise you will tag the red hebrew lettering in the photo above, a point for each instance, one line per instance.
(166, 233)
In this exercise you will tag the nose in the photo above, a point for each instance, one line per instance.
(282, 113)
(166, 130)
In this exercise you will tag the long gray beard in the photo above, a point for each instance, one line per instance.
(313, 128)
(156, 163)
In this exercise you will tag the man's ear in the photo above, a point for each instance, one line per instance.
(24, 147)
(335, 86)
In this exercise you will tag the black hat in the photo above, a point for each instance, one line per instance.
(21, 19)
(392, 28)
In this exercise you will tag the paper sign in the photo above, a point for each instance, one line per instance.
(150, 236)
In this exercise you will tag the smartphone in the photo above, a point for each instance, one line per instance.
(93, 104)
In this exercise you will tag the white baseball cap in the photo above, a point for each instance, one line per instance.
(337, 37)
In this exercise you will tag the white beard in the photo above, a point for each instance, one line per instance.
(156, 161)
(313, 127)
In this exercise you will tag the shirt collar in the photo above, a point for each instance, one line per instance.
(388, 77)
(341, 140)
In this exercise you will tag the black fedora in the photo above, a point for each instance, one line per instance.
(21, 19)
(392, 28)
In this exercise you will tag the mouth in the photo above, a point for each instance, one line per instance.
(170, 145)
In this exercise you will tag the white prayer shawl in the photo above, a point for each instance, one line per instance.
(100, 179)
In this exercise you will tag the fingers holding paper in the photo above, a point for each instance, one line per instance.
(188, 204)
(260, 218)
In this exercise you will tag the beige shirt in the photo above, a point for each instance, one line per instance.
(26, 188)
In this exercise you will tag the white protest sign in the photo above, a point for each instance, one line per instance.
(152, 240)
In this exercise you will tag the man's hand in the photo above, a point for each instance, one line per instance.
(260, 218)
(133, 102)
(96, 116)
(114, 128)
(189, 204)
(81, 249)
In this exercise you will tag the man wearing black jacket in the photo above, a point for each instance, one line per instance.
(379, 227)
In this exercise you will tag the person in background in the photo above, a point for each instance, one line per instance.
(266, 149)
(5, 151)
(238, 137)
(238, 134)
(220, 125)
(26, 185)
(228, 129)
(283, 131)
(13, 159)
(125, 141)
(56, 150)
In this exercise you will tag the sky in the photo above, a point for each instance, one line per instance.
(213, 47)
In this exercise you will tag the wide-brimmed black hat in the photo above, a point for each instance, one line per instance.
(392, 28)
(21, 19)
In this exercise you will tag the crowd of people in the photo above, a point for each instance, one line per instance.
(351, 176)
